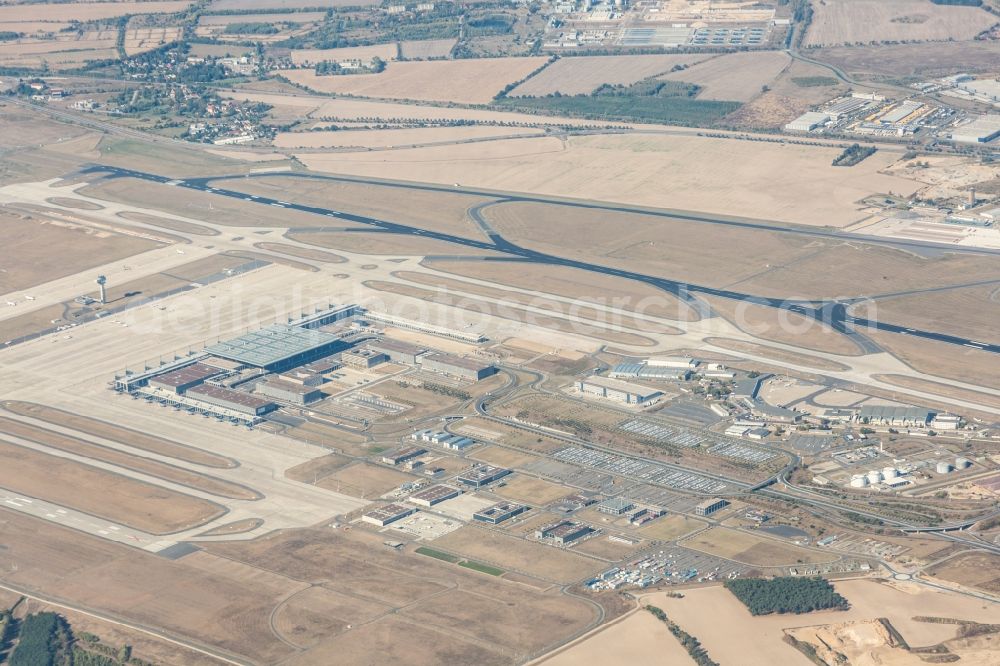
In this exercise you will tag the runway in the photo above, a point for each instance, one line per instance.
(831, 313)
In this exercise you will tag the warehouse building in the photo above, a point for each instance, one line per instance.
(302, 376)
(444, 439)
(807, 122)
(615, 506)
(238, 401)
(675, 362)
(180, 380)
(278, 347)
(402, 455)
(481, 475)
(614, 389)
(384, 515)
(362, 359)
(907, 417)
(290, 392)
(434, 495)
(498, 513)
(710, 506)
(461, 367)
(564, 532)
(981, 130)
(398, 351)
(646, 371)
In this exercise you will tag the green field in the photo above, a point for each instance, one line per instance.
(482, 568)
(814, 81)
(437, 554)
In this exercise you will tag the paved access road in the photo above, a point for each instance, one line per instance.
(832, 313)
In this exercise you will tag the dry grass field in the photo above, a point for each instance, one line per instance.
(940, 389)
(963, 364)
(902, 60)
(100, 493)
(669, 528)
(461, 81)
(530, 490)
(862, 21)
(581, 75)
(783, 182)
(589, 288)
(781, 326)
(89, 11)
(732, 636)
(507, 552)
(735, 76)
(264, 17)
(243, 5)
(969, 312)
(974, 570)
(427, 48)
(38, 250)
(753, 549)
(381, 244)
(364, 53)
(780, 355)
(364, 480)
(638, 639)
(302, 252)
(149, 466)
(435, 211)
(396, 138)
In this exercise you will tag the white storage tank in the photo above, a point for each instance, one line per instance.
(962, 463)
(943, 467)
(859, 481)
(889, 473)
(874, 476)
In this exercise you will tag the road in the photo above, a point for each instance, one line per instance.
(832, 313)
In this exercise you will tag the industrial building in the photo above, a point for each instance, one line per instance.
(675, 362)
(907, 417)
(303, 376)
(614, 389)
(398, 351)
(362, 359)
(808, 121)
(981, 130)
(443, 439)
(481, 475)
(646, 371)
(180, 380)
(434, 495)
(470, 369)
(238, 401)
(564, 532)
(616, 506)
(278, 347)
(384, 515)
(498, 513)
(749, 387)
(710, 506)
(402, 455)
(290, 392)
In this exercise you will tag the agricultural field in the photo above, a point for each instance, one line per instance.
(837, 22)
(752, 549)
(427, 48)
(581, 75)
(770, 181)
(971, 570)
(88, 11)
(140, 40)
(244, 5)
(363, 53)
(397, 138)
(459, 81)
(639, 638)
(735, 76)
(913, 60)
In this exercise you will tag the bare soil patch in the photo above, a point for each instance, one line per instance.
(536, 492)
(92, 490)
(397, 138)
(752, 549)
(120, 434)
(364, 480)
(639, 638)
(976, 570)
(904, 60)
(88, 11)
